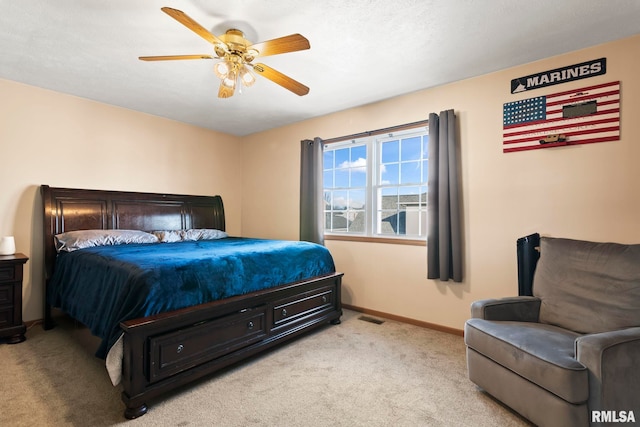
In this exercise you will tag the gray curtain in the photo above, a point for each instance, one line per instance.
(444, 241)
(311, 200)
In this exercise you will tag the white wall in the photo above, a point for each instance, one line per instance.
(586, 192)
(65, 141)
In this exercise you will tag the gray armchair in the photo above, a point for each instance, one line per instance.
(570, 354)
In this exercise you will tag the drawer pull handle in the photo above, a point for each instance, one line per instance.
(180, 348)
(284, 312)
(250, 325)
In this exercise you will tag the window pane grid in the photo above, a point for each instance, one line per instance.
(345, 188)
(401, 186)
(391, 172)
(402, 210)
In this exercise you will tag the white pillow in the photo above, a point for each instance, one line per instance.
(74, 240)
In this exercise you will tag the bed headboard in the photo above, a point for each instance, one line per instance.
(68, 209)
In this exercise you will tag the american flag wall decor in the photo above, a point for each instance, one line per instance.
(580, 116)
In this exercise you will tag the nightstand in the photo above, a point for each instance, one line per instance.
(11, 327)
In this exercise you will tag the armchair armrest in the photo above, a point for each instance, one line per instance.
(612, 358)
(522, 308)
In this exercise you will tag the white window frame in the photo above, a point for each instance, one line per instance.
(373, 202)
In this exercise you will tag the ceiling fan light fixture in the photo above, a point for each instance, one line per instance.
(220, 50)
(246, 76)
(222, 69)
(230, 79)
(250, 55)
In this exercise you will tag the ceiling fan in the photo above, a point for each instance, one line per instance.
(237, 55)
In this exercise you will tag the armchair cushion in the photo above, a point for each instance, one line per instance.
(588, 287)
(541, 353)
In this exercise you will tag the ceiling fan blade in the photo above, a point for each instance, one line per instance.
(279, 78)
(225, 92)
(291, 43)
(188, 22)
(173, 57)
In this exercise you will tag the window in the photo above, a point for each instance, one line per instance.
(376, 185)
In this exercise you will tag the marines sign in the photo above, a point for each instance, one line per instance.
(560, 75)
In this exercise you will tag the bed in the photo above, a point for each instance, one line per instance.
(161, 349)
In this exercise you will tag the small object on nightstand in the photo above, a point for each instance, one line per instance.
(7, 245)
(12, 329)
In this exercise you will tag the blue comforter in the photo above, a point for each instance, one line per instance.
(103, 286)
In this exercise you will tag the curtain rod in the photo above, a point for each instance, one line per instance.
(378, 131)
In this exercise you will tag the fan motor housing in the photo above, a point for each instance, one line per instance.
(235, 40)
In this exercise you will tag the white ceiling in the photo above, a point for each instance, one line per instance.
(362, 51)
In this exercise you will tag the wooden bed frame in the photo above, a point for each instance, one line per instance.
(165, 351)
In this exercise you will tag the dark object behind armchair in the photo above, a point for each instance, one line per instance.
(528, 254)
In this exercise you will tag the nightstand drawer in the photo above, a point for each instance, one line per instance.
(6, 317)
(6, 274)
(6, 294)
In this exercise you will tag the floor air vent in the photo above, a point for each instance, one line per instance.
(371, 320)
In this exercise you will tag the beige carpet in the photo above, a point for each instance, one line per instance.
(354, 374)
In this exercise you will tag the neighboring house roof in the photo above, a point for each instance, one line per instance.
(392, 222)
